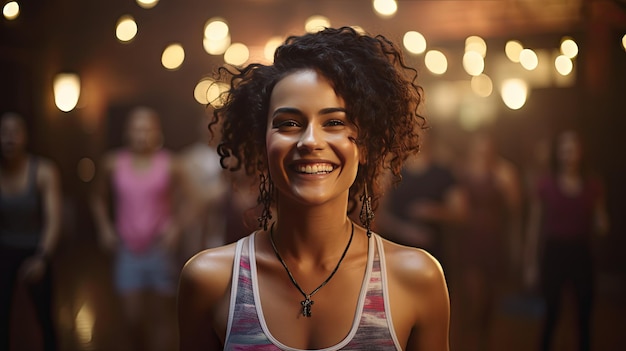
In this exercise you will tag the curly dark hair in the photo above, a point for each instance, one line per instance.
(380, 91)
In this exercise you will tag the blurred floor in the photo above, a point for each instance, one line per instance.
(89, 315)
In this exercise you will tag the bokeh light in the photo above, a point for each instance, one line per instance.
(216, 29)
(66, 88)
(563, 65)
(569, 48)
(385, 8)
(414, 42)
(528, 59)
(216, 47)
(173, 56)
(237, 54)
(514, 93)
(624, 41)
(11, 10)
(126, 28)
(512, 49)
(315, 24)
(209, 91)
(270, 47)
(86, 169)
(473, 63)
(147, 4)
(436, 62)
(476, 44)
(482, 85)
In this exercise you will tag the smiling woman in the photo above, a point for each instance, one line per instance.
(320, 126)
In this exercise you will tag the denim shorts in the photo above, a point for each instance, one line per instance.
(153, 269)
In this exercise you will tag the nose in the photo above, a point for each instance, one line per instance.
(311, 138)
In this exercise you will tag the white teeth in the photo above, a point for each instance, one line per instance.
(315, 169)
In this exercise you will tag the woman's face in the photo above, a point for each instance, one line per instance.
(311, 149)
(12, 136)
(144, 131)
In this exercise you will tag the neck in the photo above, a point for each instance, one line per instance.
(315, 232)
(14, 163)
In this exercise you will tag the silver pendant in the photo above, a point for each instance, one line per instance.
(306, 306)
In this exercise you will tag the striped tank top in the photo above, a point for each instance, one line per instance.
(372, 328)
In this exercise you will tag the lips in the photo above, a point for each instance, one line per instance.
(314, 168)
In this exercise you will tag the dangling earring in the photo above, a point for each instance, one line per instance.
(367, 215)
(266, 189)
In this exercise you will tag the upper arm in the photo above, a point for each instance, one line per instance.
(102, 179)
(50, 187)
(203, 299)
(432, 329)
(419, 299)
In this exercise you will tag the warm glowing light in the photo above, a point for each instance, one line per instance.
(216, 29)
(66, 89)
(528, 59)
(237, 54)
(86, 169)
(563, 65)
(126, 28)
(473, 63)
(208, 91)
(200, 92)
(147, 4)
(173, 56)
(569, 48)
(624, 41)
(482, 85)
(476, 44)
(216, 47)
(514, 93)
(11, 10)
(270, 47)
(358, 29)
(414, 42)
(385, 8)
(85, 320)
(512, 49)
(315, 24)
(436, 62)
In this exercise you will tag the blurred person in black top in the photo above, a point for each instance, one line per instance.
(29, 227)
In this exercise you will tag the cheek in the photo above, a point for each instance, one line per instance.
(347, 148)
(277, 149)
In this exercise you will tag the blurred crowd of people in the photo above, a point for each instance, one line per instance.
(496, 227)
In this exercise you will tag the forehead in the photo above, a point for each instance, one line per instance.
(143, 119)
(12, 123)
(305, 85)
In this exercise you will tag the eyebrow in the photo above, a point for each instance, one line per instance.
(295, 111)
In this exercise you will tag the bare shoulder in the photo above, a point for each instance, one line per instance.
(203, 298)
(47, 171)
(210, 268)
(412, 266)
(108, 160)
(46, 165)
(209, 272)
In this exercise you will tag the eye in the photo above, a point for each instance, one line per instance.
(335, 123)
(286, 124)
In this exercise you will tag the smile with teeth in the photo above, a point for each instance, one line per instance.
(317, 168)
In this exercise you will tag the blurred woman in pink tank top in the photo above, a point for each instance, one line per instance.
(142, 230)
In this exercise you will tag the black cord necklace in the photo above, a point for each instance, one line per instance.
(307, 302)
